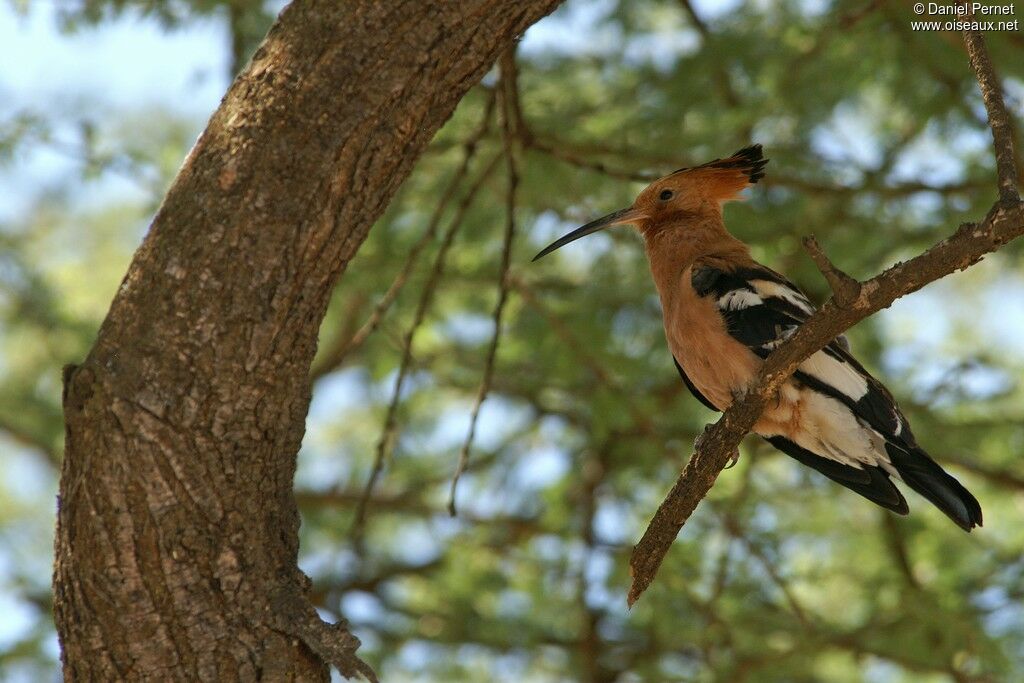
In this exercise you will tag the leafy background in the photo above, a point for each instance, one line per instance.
(879, 147)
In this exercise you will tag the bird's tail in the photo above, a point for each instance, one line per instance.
(924, 475)
(724, 179)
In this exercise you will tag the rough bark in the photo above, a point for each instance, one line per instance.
(177, 532)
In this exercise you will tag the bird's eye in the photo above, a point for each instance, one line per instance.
(666, 195)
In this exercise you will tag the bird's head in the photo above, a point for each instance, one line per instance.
(681, 194)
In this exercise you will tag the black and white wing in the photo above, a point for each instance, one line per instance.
(761, 309)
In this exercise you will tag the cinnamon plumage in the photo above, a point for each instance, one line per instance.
(724, 313)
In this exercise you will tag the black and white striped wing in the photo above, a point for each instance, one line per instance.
(761, 309)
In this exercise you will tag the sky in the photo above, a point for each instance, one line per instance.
(127, 64)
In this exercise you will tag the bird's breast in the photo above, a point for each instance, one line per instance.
(715, 362)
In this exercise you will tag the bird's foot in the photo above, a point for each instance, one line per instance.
(737, 394)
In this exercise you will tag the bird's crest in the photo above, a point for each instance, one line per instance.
(724, 179)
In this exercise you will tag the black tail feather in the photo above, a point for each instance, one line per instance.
(924, 475)
(871, 482)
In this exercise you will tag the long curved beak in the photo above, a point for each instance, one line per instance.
(622, 217)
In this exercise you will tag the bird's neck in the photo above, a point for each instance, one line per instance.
(673, 247)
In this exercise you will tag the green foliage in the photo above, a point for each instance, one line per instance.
(171, 13)
(878, 146)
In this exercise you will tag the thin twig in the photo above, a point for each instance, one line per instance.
(580, 158)
(515, 126)
(996, 476)
(1004, 222)
(897, 543)
(386, 442)
(573, 159)
(721, 72)
(593, 466)
(335, 356)
(508, 101)
(998, 118)
(732, 526)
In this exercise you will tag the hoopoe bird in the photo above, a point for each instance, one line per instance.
(724, 313)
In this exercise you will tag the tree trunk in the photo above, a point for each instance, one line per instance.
(177, 532)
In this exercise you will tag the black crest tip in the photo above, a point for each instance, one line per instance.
(750, 161)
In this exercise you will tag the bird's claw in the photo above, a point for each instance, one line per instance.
(698, 443)
(734, 458)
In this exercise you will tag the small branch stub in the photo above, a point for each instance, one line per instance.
(333, 643)
(845, 289)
